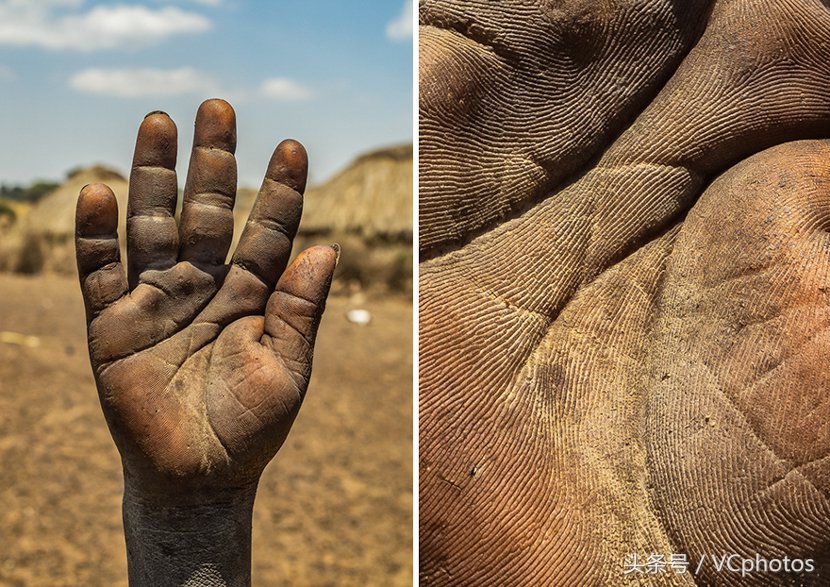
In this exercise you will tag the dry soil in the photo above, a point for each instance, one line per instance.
(333, 508)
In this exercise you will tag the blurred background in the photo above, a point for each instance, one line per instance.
(76, 78)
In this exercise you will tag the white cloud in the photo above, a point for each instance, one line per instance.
(144, 82)
(400, 29)
(284, 89)
(137, 83)
(39, 24)
(202, 2)
(40, 3)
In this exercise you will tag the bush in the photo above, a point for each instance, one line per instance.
(383, 266)
(32, 258)
(7, 214)
(30, 193)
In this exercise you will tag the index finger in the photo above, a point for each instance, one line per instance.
(265, 244)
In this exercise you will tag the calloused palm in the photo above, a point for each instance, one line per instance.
(622, 289)
(201, 366)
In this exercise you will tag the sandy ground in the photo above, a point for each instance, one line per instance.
(334, 508)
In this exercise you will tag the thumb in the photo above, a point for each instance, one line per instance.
(295, 308)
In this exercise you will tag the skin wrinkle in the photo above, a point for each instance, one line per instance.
(783, 479)
(153, 168)
(473, 354)
(92, 282)
(298, 331)
(273, 226)
(769, 373)
(210, 422)
(542, 190)
(220, 202)
(719, 387)
(500, 51)
(172, 327)
(549, 321)
(254, 274)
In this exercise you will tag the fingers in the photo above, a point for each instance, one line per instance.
(96, 247)
(163, 304)
(265, 245)
(296, 306)
(206, 227)
(152, 236)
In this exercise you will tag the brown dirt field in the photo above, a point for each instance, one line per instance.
(334, 507)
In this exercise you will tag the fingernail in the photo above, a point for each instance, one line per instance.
(336, 248)
(149, 114)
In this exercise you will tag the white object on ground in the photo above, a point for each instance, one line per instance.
(19, 339)
(359, 316)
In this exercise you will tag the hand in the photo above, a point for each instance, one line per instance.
(619, 355)
(201, 366)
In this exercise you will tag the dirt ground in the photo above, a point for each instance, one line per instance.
(333, 508)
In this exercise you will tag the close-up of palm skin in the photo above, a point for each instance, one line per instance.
(623, 291)
(201, 365)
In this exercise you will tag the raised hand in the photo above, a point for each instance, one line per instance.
(201, 366)
(619, 352)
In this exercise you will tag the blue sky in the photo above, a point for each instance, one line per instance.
(77, 77)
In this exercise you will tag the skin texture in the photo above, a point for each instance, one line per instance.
(623, 289)
(201, 366)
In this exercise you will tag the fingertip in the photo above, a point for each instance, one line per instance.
(154, 112)
(157, 122)
(216, 125)
(289, 165)
(290, 148)
(309, 275)
(217, 106)
(156, 144)
(319, 257)
(97, 211)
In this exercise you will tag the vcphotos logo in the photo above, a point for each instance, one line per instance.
(735, 563)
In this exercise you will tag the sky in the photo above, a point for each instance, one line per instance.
(78, 76)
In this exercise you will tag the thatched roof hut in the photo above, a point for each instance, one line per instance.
(54, 214)
(369, 203)
(43, 239)
(371, 198)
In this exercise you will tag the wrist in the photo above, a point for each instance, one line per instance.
(200, 537)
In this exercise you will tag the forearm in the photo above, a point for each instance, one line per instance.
(197, 541)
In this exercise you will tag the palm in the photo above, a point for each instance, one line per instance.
(586, 391)
(201, 365)
(228, 401)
